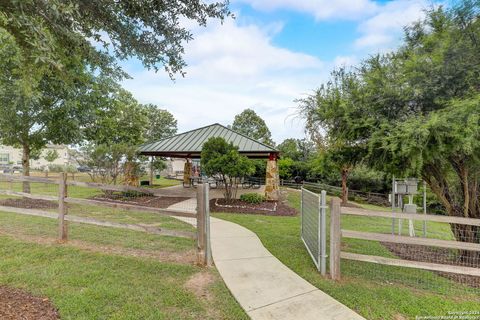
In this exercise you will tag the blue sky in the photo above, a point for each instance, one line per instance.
(272, 53)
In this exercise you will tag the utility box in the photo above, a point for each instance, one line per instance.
(410, 208)
(400, 187)
(412, 186)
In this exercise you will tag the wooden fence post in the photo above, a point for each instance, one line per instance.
(62, 208)
(335, 239)
(208, 247)
(201, 225)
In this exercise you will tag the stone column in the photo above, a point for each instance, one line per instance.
(272, 181)
(187, 172)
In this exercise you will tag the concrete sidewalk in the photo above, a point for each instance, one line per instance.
(264, 287)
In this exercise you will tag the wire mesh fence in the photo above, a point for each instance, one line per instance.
(444, 260)
(353, 195)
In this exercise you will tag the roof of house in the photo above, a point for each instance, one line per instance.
(189, 144)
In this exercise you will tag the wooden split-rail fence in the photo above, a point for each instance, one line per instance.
(336, 234)
(200, 215)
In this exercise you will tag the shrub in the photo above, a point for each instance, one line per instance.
(253, 198)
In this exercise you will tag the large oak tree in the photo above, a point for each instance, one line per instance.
(53, 51)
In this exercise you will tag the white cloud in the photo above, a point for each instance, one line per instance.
(320, 9)
(231, 68)
(229, 50)
(236, 66)
(345, 61)
(380, 24)
(385, 27)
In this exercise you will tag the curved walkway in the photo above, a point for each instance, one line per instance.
(265, 287)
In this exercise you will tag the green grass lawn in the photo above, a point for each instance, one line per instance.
(163, 182)
(106, 273)
(87, 285)
(13, 223)
(375, 291)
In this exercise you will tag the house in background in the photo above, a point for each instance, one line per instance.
(13, 156)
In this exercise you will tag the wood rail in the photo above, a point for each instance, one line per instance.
(412, 264)
(92, 185)
(411, 216)
(63, 199)
(9, 178)
(131, 207)
(28, 195)
(411, 240)
(135, 227)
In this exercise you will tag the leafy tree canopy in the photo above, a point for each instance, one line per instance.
(220, 158)
(119, 120)
(152, 31)
(161, 123)
(296, 149)
(253, 126)
(51, 155)
(37, 106)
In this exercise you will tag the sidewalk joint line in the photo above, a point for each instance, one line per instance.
(234, 259)
(285, 299)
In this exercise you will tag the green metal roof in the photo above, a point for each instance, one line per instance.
(189, 144)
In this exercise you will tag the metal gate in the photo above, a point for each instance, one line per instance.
(314, 226)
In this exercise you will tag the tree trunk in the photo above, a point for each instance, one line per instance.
(467, 233)
(458, 202)
(228, 188)
(26, 167)
(344, 186)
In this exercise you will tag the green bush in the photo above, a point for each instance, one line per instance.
(252, 198)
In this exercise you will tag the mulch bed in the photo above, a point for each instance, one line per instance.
(28, 203)
(436, 255)
(148, 201)
(16, 304)
(268, 208)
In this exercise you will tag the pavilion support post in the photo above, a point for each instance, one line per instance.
(187, 171)
(272, 180)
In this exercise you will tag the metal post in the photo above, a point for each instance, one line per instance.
(201, 228)
(208, 247)
(323, 233)
(424, 208)
(393, 204)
